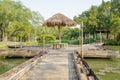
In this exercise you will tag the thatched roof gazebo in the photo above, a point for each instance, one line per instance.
(59, 20)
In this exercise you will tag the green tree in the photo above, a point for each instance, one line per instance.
(89, 18)
(115, 18)
(37, 19)
(115, 7)
(17, 20)
(115, 26)
(12, 12)
(104, 15)
(71, 33)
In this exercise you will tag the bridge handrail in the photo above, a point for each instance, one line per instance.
(18, 71)
(84, 72)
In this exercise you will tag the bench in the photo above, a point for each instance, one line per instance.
(59, 45)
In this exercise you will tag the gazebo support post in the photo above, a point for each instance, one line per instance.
(59, 31)
(59, 20)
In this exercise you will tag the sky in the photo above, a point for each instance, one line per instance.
(69, 8)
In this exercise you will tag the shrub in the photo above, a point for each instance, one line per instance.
(65, 41)
(87, 41)
(48, 39)
(111, 42)
(76, 42)
(70, 41)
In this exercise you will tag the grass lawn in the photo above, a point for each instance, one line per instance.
(9, 63)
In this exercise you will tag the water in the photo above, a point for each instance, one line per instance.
(8, 63)
(110, 68)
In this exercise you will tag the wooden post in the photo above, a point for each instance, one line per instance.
(59, 34)
(43, 44)
(82, 40)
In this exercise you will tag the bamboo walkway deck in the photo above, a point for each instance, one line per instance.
(57, 65)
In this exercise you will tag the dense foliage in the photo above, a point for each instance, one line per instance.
(17, 21)
(104, 17)
(48, 39)
(71, 33)
(112, 42)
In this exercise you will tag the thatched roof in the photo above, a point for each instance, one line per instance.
(103, 31)
(59, 20)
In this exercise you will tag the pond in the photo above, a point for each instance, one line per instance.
(9, 63)
(15, 57)
(106, 69)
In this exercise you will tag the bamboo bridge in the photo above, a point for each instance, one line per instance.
(57, 64)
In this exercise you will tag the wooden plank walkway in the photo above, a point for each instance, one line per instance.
(57, 65)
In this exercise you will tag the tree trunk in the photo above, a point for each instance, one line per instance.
(29, 37)
(100, 37)
(84, 36)
(89, 37)
(107, 36)
(114, 36)
(4, 36)
(94, 36)
(118, 37)
(1, 36)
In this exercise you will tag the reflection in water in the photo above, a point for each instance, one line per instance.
(8, 63)
(106, 69)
